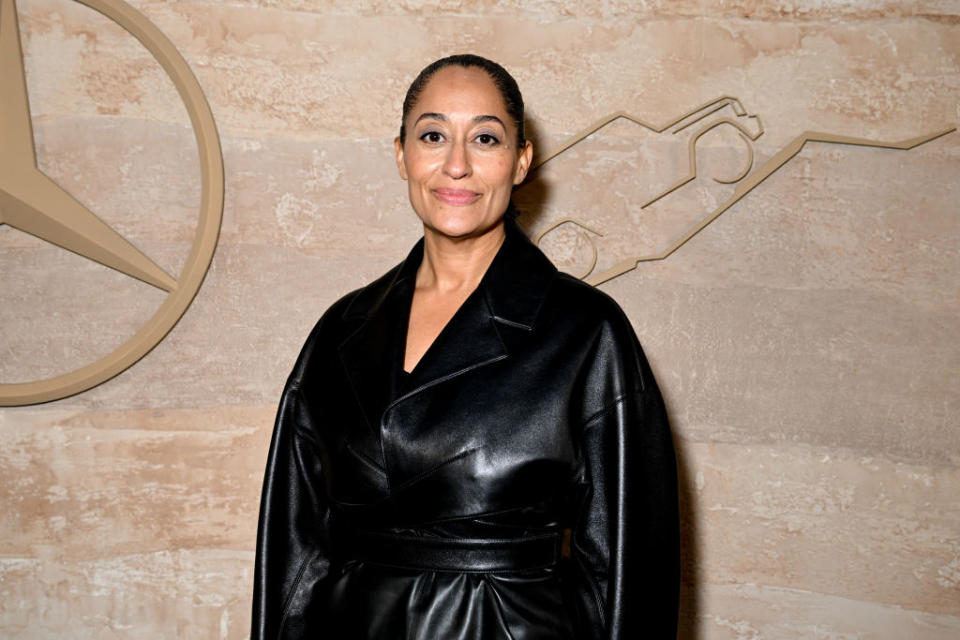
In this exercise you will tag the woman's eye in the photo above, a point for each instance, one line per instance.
(432, 136)
(487, 139)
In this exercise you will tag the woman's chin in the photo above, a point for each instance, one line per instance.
(462, 229)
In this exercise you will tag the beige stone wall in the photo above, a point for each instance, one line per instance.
(807, 342)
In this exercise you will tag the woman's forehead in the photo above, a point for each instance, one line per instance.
(467, 91)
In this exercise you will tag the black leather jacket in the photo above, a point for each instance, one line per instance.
(534, 412)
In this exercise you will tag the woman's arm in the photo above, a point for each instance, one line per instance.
(292, 561)
(625, 546)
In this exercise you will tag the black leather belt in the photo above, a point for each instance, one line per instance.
(454, 554)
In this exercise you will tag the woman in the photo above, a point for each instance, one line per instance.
(447, 424)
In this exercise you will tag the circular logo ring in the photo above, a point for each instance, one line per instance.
(205, 241)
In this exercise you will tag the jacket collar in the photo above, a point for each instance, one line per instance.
(511, 293)
(517, 280)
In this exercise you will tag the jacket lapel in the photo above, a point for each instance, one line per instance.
(510, 293)
(518, 279)
(373, 355)
(469, 340)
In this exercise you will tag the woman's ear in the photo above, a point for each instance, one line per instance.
(398, 150)
(523, 163)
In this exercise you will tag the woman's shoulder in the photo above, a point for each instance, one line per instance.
(595, 318)
(569, 295)
(340, 320)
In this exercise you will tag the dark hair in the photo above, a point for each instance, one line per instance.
(509, 90)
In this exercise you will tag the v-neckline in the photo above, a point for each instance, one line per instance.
(436, 338)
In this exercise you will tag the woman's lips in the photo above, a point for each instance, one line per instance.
(456, 197)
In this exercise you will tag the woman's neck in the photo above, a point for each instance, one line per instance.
(453, 265)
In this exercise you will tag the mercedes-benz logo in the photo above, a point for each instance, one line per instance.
(33, 203)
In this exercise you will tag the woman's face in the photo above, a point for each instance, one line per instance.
(461, 157)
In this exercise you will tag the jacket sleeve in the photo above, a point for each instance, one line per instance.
(292, 561)
(625, 546)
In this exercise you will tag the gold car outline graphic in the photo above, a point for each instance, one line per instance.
(697, 123)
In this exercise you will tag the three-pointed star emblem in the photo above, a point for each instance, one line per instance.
(32, 202)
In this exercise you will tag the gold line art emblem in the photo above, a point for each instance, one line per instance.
(748, 128)
(33, 203)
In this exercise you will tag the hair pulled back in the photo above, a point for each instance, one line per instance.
(505, 83)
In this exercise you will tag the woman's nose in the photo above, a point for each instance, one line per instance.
(457, 163)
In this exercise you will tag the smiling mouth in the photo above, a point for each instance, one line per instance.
(456, 197)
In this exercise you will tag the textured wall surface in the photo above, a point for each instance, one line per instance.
(807, 342)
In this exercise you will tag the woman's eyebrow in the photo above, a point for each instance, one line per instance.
(489, 119)
(430, 115)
